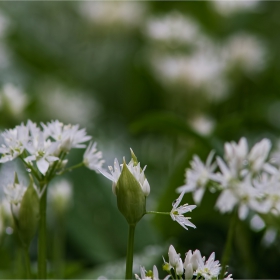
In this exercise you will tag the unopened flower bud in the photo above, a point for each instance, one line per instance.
(179, 267)
(131, 199)
(189, 271)
(173, 256)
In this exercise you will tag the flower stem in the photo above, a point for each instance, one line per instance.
(27, 262)
(229, 243)
(155, 212)
(71, 168)
(42, 239)
(129, 253)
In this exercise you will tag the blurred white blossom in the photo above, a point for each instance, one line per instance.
(14, 99)
(93, 158)
(110, 14)
(246, 52)
(172, 28)
(203, 124)
(228, 7)
(61, 193)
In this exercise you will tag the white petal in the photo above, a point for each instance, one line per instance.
(43, 165)
(146, 188)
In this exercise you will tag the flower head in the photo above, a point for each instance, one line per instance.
(177, 212)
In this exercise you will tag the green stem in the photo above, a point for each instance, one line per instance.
(129, 254)
(71, 168)
(42, 239)
(229, 243)
(155, 212)
(27, 262)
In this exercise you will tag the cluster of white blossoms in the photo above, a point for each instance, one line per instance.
(247, 179)
(46, 145)
(194, 265)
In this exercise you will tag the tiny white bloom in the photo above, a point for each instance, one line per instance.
(209, 269)
(198, 176)
(93, 158)
(177, 212)
(173, 256)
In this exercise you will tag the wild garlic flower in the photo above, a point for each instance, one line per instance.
(198, 176)
(69, 136)
(93, 158)
(194, 265)
(209, 269)
(15, 140)
(43, 145)
(177, 213)
(247, 179)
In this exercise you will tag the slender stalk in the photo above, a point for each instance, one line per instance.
(58, 247)
(155, 212)
(129, 253)
(27, 262)
(71, 168)
(42, 240)
(229, 243)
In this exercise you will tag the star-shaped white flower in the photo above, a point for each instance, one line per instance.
(93, 158)
(177, 212)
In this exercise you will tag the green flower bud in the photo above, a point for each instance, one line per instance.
(131, 199)
(28, 215)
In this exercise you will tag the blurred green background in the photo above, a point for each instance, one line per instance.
(168, 79)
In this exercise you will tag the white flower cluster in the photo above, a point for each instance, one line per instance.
(247, 179)
(206, 65)
(47, 145)
(194, 265)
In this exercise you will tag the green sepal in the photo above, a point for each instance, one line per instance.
(130, 197)
(28, 215)
(134, 158)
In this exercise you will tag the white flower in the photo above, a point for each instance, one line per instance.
(179, 267)
(93, 158)
(149, 275)
(209, 269)
(173, 256)
(14, 193)
(15, 140)
(135, 170)
(198, 176)
(60, 195)
(177, 212)
(69, 136)
(42, 152)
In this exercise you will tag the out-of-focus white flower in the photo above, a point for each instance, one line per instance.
(42, 152)
(14, 99)
(228, 7)
(93, 158)
(172, 28)
(209, 269)
(126, 14)
(203, 124)
(198, 176)
(60, 195)
(69, 136)
(14, 193)
(177, 213)
(135, 170)
(246, 52)
(257, 223)
(269, 237)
